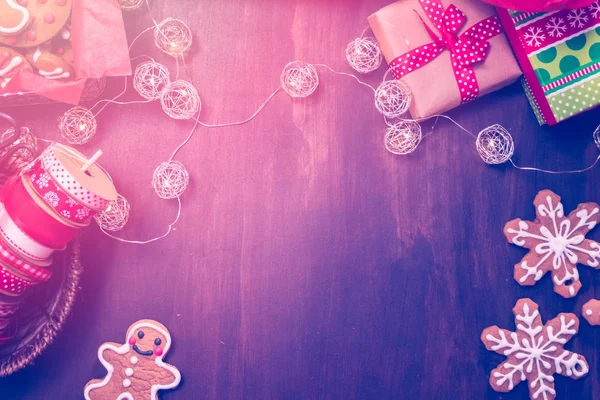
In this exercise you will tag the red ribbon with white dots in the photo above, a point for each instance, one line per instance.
(466, 49)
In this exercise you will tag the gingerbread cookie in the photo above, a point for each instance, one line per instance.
(63, 46)
(14, 18)
(11, 62)
(50, 65)
(135, 369)
(591, 312)
(534, 351)
(556, 243)
(28, 23)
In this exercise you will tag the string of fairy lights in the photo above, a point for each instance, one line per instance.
(180, 100)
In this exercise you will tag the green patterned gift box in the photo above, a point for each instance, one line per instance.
(559, 53)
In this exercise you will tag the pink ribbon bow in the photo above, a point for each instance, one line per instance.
(466, 49)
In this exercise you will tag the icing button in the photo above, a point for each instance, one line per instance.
(129, 372)
(134, 360)
(126, 383)
(31, 36)
(49, 18)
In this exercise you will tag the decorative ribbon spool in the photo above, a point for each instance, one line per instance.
(29, 227)
(30, 271)
(66, 207)
(11, 284)
(92, 188)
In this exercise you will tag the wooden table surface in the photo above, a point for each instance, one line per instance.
(310, 263)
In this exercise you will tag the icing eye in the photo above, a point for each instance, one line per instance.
(141, 334)
(157, 341)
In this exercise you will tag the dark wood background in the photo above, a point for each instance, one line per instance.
(310, 263)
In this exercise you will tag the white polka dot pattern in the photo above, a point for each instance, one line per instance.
(70, 185)
(12, 284)
(466, 49)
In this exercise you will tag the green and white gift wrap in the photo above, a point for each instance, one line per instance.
(559, 53)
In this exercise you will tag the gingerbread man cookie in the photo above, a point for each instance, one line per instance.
(135, 369)
(28, 23)
(14, 18)
(11, 62)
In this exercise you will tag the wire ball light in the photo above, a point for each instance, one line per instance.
(150, 79)
(130, 5)
(115, 217)
(93, 88)
(180, 100)
(299, 79)
(495, 145)
(77, 125)
(403, 137)
(597, 137)
(173, 37)
(15, 161)
(170, 180)
(364, 55)
(392, 98)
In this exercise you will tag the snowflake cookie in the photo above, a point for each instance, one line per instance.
(534, 351)
(591, 312)
(556, 243)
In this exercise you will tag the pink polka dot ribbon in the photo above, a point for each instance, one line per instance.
(466, 49)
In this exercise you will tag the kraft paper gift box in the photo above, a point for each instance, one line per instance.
(400, 29)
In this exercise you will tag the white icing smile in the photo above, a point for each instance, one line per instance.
(58, 73)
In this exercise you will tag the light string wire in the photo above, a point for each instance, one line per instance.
(197, 120)
(346, 74)
(513, 163)
(169, 230)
